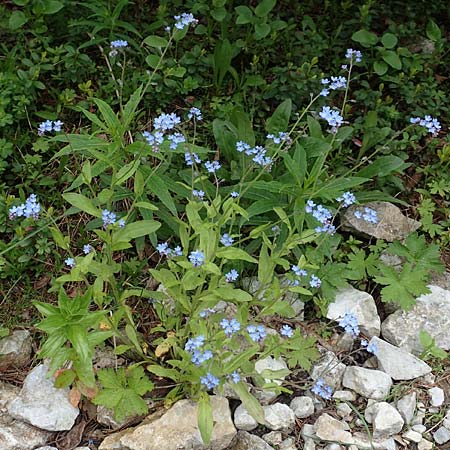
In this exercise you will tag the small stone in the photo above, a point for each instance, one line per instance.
(47, 447)
(412, 436)
(419, 428)
(348, 396)
(309, 444)
(334, 447)
(343, 410)
(359, 303)
(243, 420)
(446, 421)
(363, 442)
(247, 441)
(398, 363)
(424, 445)
(302, 406)
(105, 416)
(330, 369)
(406, 406)
(308, 431)
(437, 396)
(329, 429)
(41, 404)
(418, 418)
(273, 438)
(15, 350)
(366, 382)
(273, 364)
(385, 418)
(441, 435)
(288, 444)
(279, 417)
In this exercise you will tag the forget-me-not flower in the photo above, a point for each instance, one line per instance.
(197, 258)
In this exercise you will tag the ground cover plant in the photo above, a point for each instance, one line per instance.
(176, 191)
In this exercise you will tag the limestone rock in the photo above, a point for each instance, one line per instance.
(366, 382)
(328, 429)
(406, 406)
(398, 363)
(348, 396)
(41, 404)
(359, 303)
(386, 420)
(279, 417)
(412, 436)
(330, 369)
(441, 435)
(425, 445)
(362, 442)
(302, 406)
(15, 350)
(431, 313)
(243, 420)
(437, 396)
(273, 438)
(247, 441)
(176, 429)
(392, 224)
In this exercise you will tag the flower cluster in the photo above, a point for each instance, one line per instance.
(31, 208)
(234, 377)
(197, 258)
(230, 326)
(347, 199)
(212, 166)
(119, 43)
(190, 158)
(164, 250)
(280, 137)
(323, 215)
(109, 218)
(257, 333)
(258, 153)
(353, 55)
(315, 281)
(321, 389)
(164, 122)
(350, 324)
(333, 85)
(198, 193)
(371, 347)
(195, 113)
(184, 20)
(231, 276)
(332, 116)
(210, 381)
(432, 125)
(369, 215)
(48, 126)
(226, 240)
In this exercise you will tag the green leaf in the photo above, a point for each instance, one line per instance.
(219, 13)
(390, 57)
(82, 203)
(52, 6)
(261, 30)
(126, 172)
(77, 335)
(250, 403)
(229, 293)
(153, 61)
(205, 417)
(279, 121)
(433, 31)
(380, 68)
(383, 166)
(60, 240)
(245, 15)
(223, 54)
(265, 7)
(233, 253)
(365, 37)
(109, 116)
(17, 19)
(159, 187)
(156, 41)
(65, 378)
(389, 40)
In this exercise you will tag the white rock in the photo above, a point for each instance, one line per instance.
(406, 406)
(431, 313)
(309, 444)
(359, 303)
(348, 396)
(419, 428)
(42, 405)
(244, 441)
(343, 410)
(327, 428)
(302, 406)
(362, 442)
(418, 418)
(424, 445)
(308, 431)
(412, 436)
(272, 364)
(387, 421)
(398, 363)
(446, 421)
(330, 369)
(273, 438)
(437, 396)
(334, 447)
(243, 420)
(441, 435)
(288, 444)
(366, 382)
(15, 350)
(279, 416)
(47, 447)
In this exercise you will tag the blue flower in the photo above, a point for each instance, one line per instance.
(226, 240)
(327, 227)
(337, 83)
(287, 331)
(230, 326)
(198, 358)
(49, 126)
(261, 158)
(242, 146)
(235, 377)
(175, 139)
(198, 193)
(197, 258)
(87, 249)
(193, 344)
(213, 166)
(355, 55)
(70, 262)
(31, 208)
(315, 282)
(232, 275)
(432, 125)
(279, 137)
(310, 205)
(184, 20)
(163, 249)
(177, 251)
(350, 324)
(166, 122)
(369, 215)
(207, 312)
(155, 139)
(118, 44)
(190, 158)
(108, 217)
(57, 125)
(334, 119)
(121, 223)
(210, 381)
(371, 348)
(195, 113)
(347, 199)
(321, 389)
(257, 333)
(234, 194)
(299, 272)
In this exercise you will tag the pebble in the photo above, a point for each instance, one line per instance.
(302, 406)
(442, 435)
(279, 416)
(412, 436)
(437, 396)
(243, 420)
